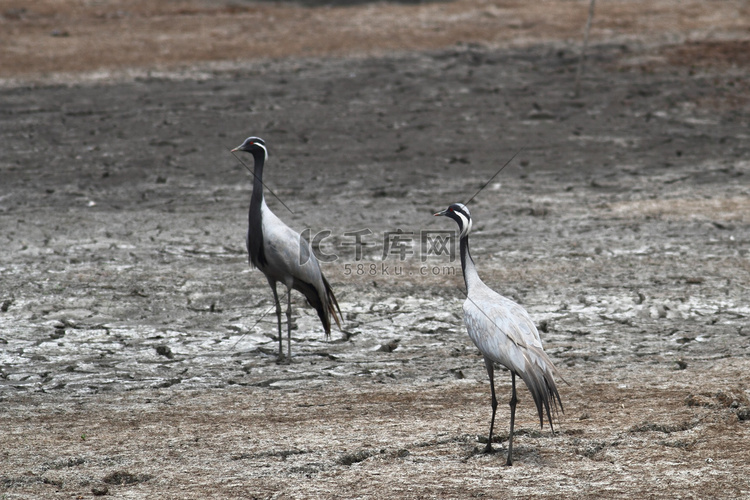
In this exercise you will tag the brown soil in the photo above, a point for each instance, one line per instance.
(80, 35)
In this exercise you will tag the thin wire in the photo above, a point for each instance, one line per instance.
(252, 171)
(486, 316)
(581, 61)
(259, 319)
(511, 339)
(496, 174)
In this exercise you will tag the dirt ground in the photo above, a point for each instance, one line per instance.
(137, 352)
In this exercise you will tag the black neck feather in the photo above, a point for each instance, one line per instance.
(255, 217)
(465, 256)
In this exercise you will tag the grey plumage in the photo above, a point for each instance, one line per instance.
(505, 334)
(283, 255)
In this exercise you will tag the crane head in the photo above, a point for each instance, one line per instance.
(459, 213)
(253, 145)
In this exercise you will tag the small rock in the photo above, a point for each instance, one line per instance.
(680, 365)
(721, 225)
(173, 381)
(122, 478)
(390, 346)
(353, 458)
(99, 491)
(165, 351)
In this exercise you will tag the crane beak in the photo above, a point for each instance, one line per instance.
(441, 213)
(236, 149)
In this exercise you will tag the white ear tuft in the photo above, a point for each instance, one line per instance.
(265, 151)
(465, 223)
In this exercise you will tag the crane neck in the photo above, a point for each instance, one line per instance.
(257, 198)
(471, 277)
(255, 243)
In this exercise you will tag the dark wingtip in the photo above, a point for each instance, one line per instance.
(333, 304)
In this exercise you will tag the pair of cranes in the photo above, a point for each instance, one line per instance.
(501, 329)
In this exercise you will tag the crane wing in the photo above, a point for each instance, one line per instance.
(504, 332)
(289, 255)
(290, 260)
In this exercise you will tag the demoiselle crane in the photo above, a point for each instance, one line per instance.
(283, 255)
(504, 333)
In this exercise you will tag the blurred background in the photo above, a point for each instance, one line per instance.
(48, 36)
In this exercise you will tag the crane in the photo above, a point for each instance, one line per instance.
(282, 255)
(504, 333)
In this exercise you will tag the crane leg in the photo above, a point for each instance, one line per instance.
(513, 401)
(289, 324)
(278, 317)
(491, 372)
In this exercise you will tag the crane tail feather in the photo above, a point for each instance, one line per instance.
(540, 379)
(325, 304)
(333, 304)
